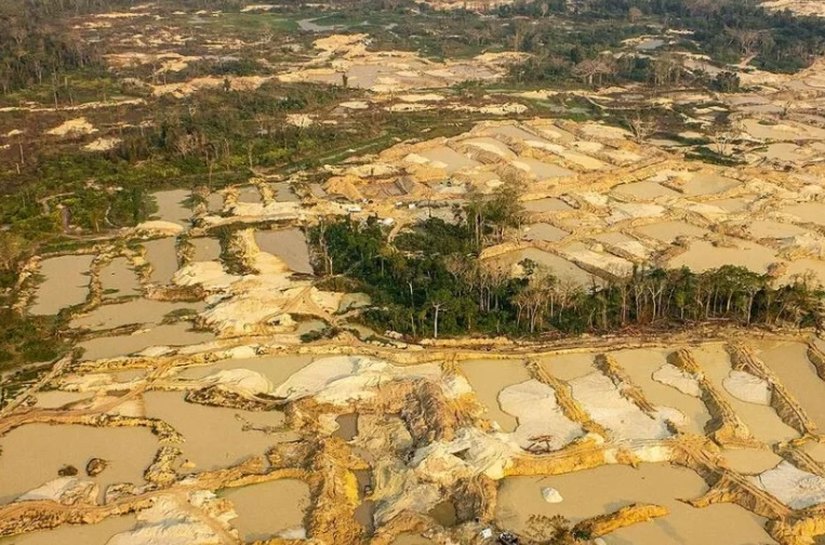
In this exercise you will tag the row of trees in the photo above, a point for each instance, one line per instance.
(726, 30)
(430, 282)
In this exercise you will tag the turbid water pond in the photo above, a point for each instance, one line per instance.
(118, 278)
(162, 256)
(205, 249)
(177, 334)
(276, 368)
(762, 420)
(789, 362)
(270, 509)
(129, 452)
(640, 365)
(288, 244)
(172, 206)
(81, 534)
(136, 311)
(488, 378)
(225, 441)
(619, 486)
(65, 283)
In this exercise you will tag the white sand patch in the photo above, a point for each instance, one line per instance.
(167, 522)
(73, 127)
(551, 495)
(355, 105)
(533, 403)
(69, 488)
(242, 381)
(626, 211)
(677, 378)
(340, 380)
(605, 404)
(102, 144)
(795, 488)
(747, 387)
(300, 120)
(158, 228)
(424, 97)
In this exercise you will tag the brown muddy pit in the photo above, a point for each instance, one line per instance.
(171, 206)
(541, 170)
(81, 534)
(214, 202)
(702, 256)
(669, 231)
(618, 486)
(412, 539)
(178, 334)
(547, 205)
(645, 190)
(762, 421)
(347, 427)
(290, 245)
(807, 212)
(773, 229)
(205, 249)
(55, 399)
(488, 378)
(270, 509)
(733, 205)
(66, 283)
(750, 461)
(544, 232)
(162, 256)
(136, 311)
(444, 513)
(276, 368)
(640, 365)
(708, 184)
(129, 452)
(812, 269)
(249, 194)
(365, 516)
(118, 278)
(283, 192)
(222, 443)
(568, 367)
(789, 362)
(563, 269)
(448, 159)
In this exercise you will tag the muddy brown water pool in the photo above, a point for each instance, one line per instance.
(205, 249)
(412, 539)
(563, 269)
(81, 534)
(347, 426)
(118, 278)
(177, 334)
(762, 420)
(662, 484)
(225, 441)
(162, 256)
(640, 365)
(276, 368)
(270, 509)
(136, 311)
(171, 206)
(547, 205)
(288, 244)
(789, 362)
(65, 283)
(488, 378)
(129, 452)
